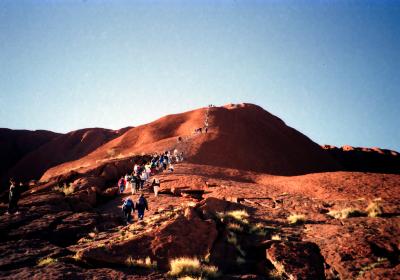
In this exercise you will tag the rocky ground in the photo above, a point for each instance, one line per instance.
(337, 225)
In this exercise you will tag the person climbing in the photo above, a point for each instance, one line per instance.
(175, 155)
(13, 197)
(136, 168)
(127, 208)
(153, 168)
(147, 169)
(156, 186)
(141, 205)
(137, 182)
(143, 179)
(127, 179)
(165, 162)
(133, 183)
(121, 184)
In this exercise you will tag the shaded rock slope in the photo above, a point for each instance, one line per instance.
(57, 148)
(365, 159)
(15, 144)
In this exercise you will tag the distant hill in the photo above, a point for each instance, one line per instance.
(15, 144)
(31, 153)
(365, 159)
(240, 136)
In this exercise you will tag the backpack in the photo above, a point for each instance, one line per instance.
(127, 204)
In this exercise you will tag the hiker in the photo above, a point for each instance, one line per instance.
(13, 197)
(153, 168)
(176, 155)
(171, 167)
(133, 183)
(147, 169)
(141, 205)
(127, 208)
(136, 168)
(156, 186)
(165, 162)
(128, 182)
(143, 179)
(137, 182)
(121, 184)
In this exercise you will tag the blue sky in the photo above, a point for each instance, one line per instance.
(330, 69)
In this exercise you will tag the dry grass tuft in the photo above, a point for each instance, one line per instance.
(296, 218)
(238, 215)
(374, 209)
(191, 267)
(278, 272)
(235, 227)
(346, 213)
(258, 229)
(143, 263)
(276, 237)
(46, 261)
(67, 190)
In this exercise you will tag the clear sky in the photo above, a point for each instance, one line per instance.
(330, 69)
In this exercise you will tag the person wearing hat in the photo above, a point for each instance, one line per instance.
(13, 197)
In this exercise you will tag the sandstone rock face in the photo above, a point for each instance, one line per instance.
(88, 182)
(187, 236)
(297, 260)
(110, 172)
(74, 226)
(358, 246)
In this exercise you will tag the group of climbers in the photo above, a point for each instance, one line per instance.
(141, 174)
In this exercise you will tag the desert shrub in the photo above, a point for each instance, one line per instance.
(46, 261)
(374, 209)
(346, 213)
(191, 267)
(296, 218)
